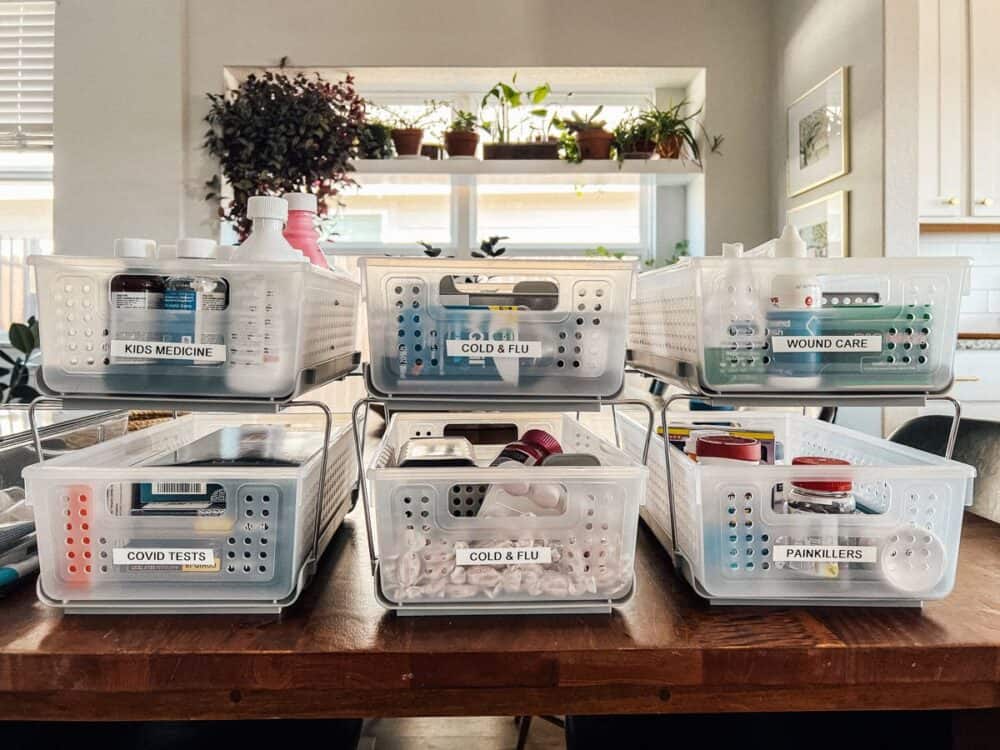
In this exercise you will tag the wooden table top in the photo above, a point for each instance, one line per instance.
(337, 653)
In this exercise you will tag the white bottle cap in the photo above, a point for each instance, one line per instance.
(732, 249)
(196, 247)
(301, 201)
(135, 247)
(166, 252)
(790, 244)
(267, 207)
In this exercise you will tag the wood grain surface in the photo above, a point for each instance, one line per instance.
(337, 653)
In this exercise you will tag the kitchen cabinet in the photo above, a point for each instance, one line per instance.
(984, 106)
(942, 106)
(959, 110)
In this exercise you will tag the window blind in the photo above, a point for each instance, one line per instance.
(27, 53)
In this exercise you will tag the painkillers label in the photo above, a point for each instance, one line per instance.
(176, 557)
(787, 344)
(824, 553)
(168, 350)
(503, 556)
(496, 349)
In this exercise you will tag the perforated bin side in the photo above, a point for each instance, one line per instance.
(686, 499)
(330, 324)
(582, 551)
(664, 314)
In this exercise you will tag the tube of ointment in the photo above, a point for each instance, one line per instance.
(15, 571)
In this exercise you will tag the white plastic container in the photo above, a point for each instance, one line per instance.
(543, 327)
(105, 547)
(735, 545)
(437, 556)
(719, 325)
(90, 347)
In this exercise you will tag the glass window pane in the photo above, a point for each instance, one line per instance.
(392, 209)
(585, 210)
(25, 229)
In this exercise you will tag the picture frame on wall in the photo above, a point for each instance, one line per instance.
(824, 225)
(818, 134)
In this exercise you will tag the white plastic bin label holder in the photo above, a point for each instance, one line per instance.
(237, 405)
(359, 421)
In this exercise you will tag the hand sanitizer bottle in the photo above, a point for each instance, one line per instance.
(301, 228)
(261, 336)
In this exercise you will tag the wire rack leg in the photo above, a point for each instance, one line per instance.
(33, 421)
(359, 443)
(321, 500)
(666, 461)
(955, 421)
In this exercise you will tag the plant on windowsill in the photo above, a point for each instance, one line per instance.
(407, 131)
(375, 141)
(515, 109)
(635, 138)
(602, 252)
(584, 137)
(278, 133)
(24, 339)
(673, 133)
(680, 251)
(461, 138)
(488, 247)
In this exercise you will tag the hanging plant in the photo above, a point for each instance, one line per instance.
(278, 133)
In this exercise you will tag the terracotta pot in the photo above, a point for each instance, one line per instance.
(670, 147)
(461, 142)
(538, 150)
(594, 143)
(407, 140)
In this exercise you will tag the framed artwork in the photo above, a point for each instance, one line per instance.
(823, 225)
(818, 135)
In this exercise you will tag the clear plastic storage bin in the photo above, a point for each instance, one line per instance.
(125, 326)
(446, 544)
(739, 541)
(208, 512)
(498, 327)
(717, 325)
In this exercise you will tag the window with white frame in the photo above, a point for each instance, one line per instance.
(546, 213)
(27, 37)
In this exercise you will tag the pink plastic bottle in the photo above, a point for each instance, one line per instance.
(300, 231)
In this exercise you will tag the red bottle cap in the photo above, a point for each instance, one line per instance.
(830, 486)
(729, 446)
(542, 440)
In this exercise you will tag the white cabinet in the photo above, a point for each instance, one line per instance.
(959, 110)
(942, 107)
(984, 106)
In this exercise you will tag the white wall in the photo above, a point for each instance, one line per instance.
(127, 71)
(810, 40)
(119, 145)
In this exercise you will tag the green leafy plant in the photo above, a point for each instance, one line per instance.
(375, 141)
(278, 133)
(488, 247)
(578, 123)
(463, 122)
(24, 339)
(715, 143)
(602, 252)
(510, 103)
(672, 125)
(399, 119)
(680, 251)
(429, 249)
(632, 135)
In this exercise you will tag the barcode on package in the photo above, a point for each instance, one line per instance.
(179, 488)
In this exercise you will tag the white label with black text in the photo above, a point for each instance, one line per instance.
(171, 556)
(503, 556)
(168, 350)
(824, 553)
(789, 344)
(495, 349)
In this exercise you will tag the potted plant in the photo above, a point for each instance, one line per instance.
(635, 138)
(673, 132)
(375, 141)
(407, 130)
(461, 138)
(511, 117)
(23, 338)
(256, 133)
(590, 138)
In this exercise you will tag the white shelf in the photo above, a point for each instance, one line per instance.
(667, 171)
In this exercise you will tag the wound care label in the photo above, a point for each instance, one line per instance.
(787, 344)
(511, 349)
(167, 350)
(823, 553)
(503, 556)
(175, 557)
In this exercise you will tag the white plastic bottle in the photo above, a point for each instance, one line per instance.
(197, 303)
(136, 299)
(261, 336)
